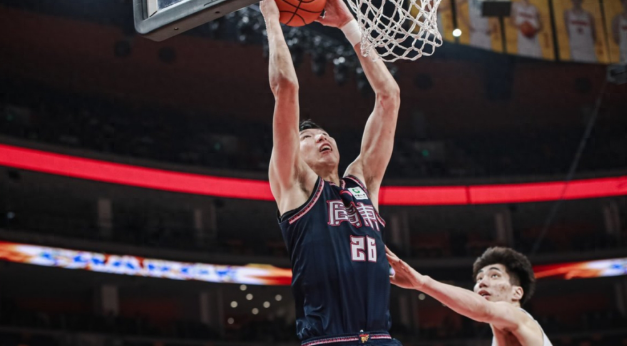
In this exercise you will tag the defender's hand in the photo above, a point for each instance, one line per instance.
(336, 14)
(270, 10)
(404, 276)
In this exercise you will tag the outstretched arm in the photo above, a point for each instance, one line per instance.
(501, 315)
(285, 163)
(378, 139)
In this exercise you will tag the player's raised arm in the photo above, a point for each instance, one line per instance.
(378, 139)
(470, 304)
(284, 162)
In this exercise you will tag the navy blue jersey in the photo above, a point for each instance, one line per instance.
(340, 280)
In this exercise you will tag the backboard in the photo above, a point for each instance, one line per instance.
(161, 19)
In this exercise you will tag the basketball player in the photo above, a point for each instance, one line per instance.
(480, 27)
(330, 223)
(523, 14)
(504, 280)
(619, 32)
(581, 33)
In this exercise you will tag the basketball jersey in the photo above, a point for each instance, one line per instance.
(622, 38)
(478, 38)
(581, 42)
(545, 339)
(340, 274)
(527, 46)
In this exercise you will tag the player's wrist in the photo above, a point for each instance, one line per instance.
(352, 32)
(421, 282)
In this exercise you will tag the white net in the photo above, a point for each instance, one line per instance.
(397, 29)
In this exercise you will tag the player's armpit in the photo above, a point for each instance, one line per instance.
(510, 318)
(504, 316)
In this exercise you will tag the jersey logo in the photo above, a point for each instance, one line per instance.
(339, 213)
(364, 338)
(358, 193)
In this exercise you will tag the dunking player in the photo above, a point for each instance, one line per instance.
(330, 224)
(504, 281)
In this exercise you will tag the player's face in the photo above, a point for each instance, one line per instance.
(577, 3)
(493, 283)
(317, 148)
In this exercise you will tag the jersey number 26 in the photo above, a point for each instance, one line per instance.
(363, 248)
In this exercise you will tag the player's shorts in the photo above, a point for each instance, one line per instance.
(365, 338)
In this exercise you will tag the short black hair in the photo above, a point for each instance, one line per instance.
(518, 267)
(308, 124)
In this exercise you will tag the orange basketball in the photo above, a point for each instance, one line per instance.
(300, 12)
(527, 29)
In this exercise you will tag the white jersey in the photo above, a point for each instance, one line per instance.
(527, 13)
(481, 25)
(579, 27)
(545, 339)
(622, 38)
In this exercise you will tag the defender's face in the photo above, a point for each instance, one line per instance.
(493, 283)
(577, 3)
(317, 148)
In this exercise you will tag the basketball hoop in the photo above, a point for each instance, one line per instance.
(397, 29)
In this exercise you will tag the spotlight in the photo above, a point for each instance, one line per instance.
(245, 29)
(340, 70)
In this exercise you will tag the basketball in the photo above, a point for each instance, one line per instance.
(300, 12)
(527, 30)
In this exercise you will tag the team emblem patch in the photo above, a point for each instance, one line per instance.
(358, 192)
(364, 338)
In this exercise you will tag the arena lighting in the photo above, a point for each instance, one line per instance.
(253, 274)
(580, 270)
(77, 167)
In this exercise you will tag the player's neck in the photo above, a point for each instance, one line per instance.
(331, 176)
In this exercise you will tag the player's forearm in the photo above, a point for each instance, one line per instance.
(378, 76)
(281, 69)
(460, 300)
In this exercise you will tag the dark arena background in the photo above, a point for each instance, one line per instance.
(135, 208)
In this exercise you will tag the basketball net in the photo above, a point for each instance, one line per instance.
(407, 29)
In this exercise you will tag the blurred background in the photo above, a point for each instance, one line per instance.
(76, 80)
